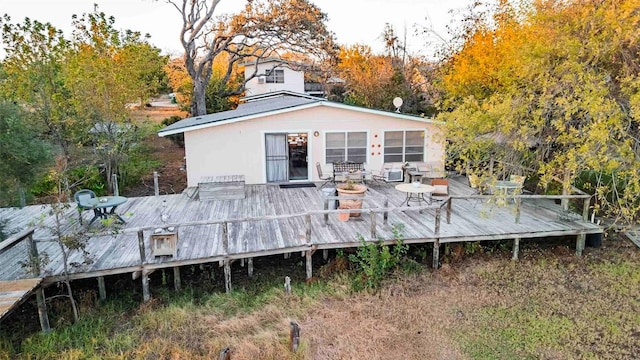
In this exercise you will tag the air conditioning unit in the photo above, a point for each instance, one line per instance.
(391, 175)
(260, 79)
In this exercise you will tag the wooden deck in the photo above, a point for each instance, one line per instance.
(271, 220)
(13, 292)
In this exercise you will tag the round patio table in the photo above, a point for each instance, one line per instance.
(105, 206)
(416, 193)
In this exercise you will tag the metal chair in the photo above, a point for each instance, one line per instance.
(327, 179)
(81, 197)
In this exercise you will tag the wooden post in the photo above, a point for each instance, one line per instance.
(449, 211)
(325, 254)
(585, 208)
(580, 240)
(116, 191)
(385, 215)
(101, 288)
(326, 215)
(177, 282)
(242, 262)
(146, 293)
(566, 190)
(250, 267)
(516, 248)
(373, 226)
(225, 238)
(156, 188)
(437, 230)
(518, 209)
(309, 264)
(307, 234)
(227, 276)
(40, 299)
(436, 254)
(23, 198)
(143, 256)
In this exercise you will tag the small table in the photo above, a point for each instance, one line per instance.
(105, 206)
(416, 193)
(506, 188)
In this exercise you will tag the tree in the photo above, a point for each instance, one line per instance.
(33, 76)
(263, 29)
(22, 154)
(559, 82)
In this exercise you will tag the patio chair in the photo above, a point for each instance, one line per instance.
(326, 178)
(518, 179)
(384, 174)
(441, 185)
(81, 197)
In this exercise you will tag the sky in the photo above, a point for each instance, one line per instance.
(353, 21)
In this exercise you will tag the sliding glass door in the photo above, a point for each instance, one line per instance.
(277, 153)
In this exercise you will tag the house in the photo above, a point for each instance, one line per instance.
(279, 134)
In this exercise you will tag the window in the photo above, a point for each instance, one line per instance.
(401, 146)
(346, 146)
(275, 76)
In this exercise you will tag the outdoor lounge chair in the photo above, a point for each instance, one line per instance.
(441, 185)
(81, 197)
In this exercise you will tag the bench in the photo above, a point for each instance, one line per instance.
(223, 187)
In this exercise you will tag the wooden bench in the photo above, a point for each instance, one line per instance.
(224, 187)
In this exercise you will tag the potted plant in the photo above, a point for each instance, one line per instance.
(351, 189)
(343, 216)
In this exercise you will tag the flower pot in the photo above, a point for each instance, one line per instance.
(357, 190)
(343, 216)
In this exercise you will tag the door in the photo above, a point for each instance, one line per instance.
(298, 156)
(277, 153)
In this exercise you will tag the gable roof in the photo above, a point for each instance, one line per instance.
(275, 104)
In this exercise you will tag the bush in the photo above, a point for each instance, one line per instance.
(377, 260)
(178, 139)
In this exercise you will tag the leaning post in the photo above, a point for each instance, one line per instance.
(580, 239)
(35, 271)
(156, 187)
(114, 182)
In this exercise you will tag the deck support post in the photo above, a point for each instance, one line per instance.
(437, 229)
(146, 293)
(449, 211)
(516, 248)
(580, 240)
(177, 282)
(156, 188)
(40, 300)
(114, 185)
(518, 207)
(250, 267)
(385, 215)
(307, 234)
(227, 276)
(373, 226)
(242, 262)
(102, 291)
(309, 264)
(325, 254)
(436, 254)
(287, 255)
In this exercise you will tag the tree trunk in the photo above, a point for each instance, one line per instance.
(198, 102)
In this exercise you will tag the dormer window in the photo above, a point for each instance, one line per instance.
(275, 76)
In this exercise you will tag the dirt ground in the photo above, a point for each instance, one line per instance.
(172, 179)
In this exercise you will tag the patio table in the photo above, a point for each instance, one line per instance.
(416, 193)
(105, 206)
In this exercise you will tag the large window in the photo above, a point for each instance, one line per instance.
(275, 76)
(346, 146)
(401, 146)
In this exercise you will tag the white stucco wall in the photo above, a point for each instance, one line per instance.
(293, 80)
(238, 148)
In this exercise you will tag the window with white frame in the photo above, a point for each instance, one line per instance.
(402, 146)
(346, 146)
(275, 76)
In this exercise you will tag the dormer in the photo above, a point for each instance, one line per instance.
(273, 75)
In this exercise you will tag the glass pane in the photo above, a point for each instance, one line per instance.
(392, 150)
(358, 158)
(333, 159)
(335, 140)
(392, 158)
(357, 155)
(414, 157)
(357, 139)
(414, 150)
(336, 152)
(393, 138)
(415, 138)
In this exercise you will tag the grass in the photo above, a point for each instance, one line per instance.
(549, 305)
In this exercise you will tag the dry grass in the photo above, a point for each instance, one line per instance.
(156, 114)
(548, 305)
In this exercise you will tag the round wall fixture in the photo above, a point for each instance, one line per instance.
(316, 133)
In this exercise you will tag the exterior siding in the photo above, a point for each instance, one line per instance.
(293, 80)
(239, 148)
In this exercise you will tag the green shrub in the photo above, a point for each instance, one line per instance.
(377, 260)
(178, 139)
